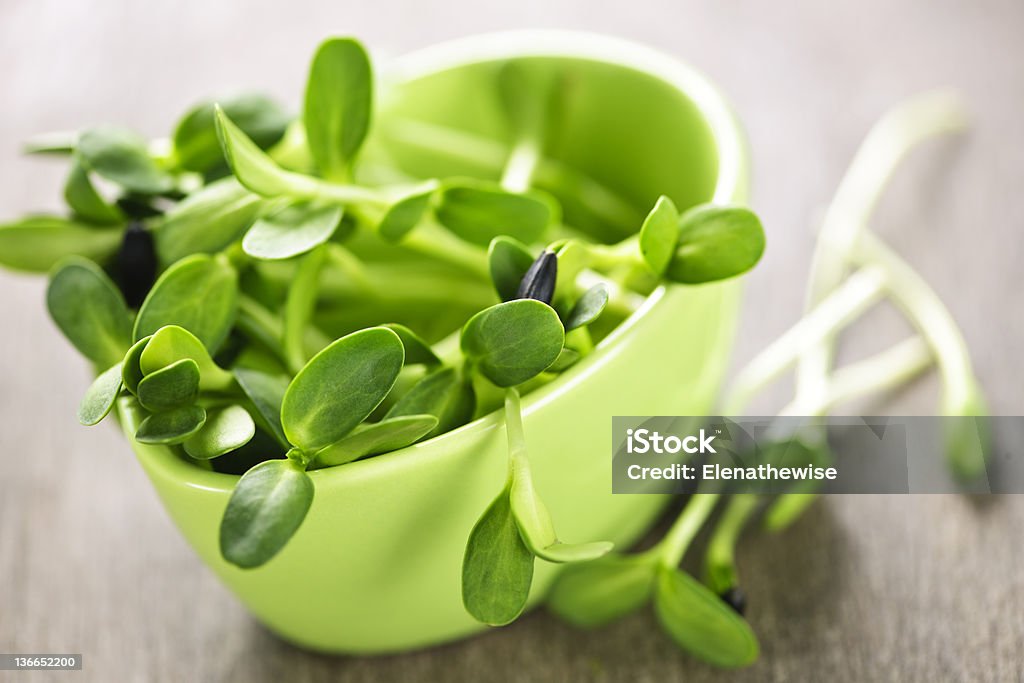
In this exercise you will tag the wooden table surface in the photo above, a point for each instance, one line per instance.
(864, 588)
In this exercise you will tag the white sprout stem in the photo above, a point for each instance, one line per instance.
(889, 141)
(876, 374)
(922, 306)
(521, 166)
(846, 303)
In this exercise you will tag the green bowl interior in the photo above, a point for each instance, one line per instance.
(621, 138)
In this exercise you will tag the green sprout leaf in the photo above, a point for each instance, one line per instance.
(35, 244)
(199, 293)
(588, 308)
(291, 230)
(196, 147)
(339, 101)
(530, 512)
(387, 435)
(592, 594)
(100, 397)
(254, 169)
(266, 508)
(226, 429)
(478, 211)
(57, 143)
(340, 386)
(172, 387)
(497, 569)
(508, 260)
(84, 201)
(171, 427)
(90, 311)
(131, 367)
(444, 394)
(266, 392)
(701, 623)
(715, 243)
(566, 359)
(659, 234)
(406, 213)
(513, 341)
(206, 221)
(417, 351)
(170, 344)
(121, 156)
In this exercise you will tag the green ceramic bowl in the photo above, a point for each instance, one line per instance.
(376, 565)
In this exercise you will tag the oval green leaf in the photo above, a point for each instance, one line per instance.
(406, 213)
(171, 344)
(199, 293)
(340, 386)
(497, 569)
(444, 394)
(36, 243)
(99, 399)
(171, 427)
(266, 392)
(715, 243)
(174, 386)
(226, 429)
(592, 594)
(417, 351)
(90, 311)
(478, 211)
(266, 508)
(701, 623)
(508, 260)
(588, 308)
(84, 201)
(196, 147)
(513, 341)
(658, 235)
(122, 156)
(291, 230)
(566, 359)
(206, 221)
(338, 104)
(254, 168)
(382, 437)
(131, 367)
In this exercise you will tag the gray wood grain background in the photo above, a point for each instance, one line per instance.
(863, 588)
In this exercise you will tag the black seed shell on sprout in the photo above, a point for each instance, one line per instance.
(137, 207)
(736, 599)
(539, 281)
(136, 264)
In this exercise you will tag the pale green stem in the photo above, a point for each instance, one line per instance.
(721, 550)
(515, 433)
(858, 293)
(431, 240)
(350, 265)
(299, 307)
(888, 142)
(670, 550)
(490, 156)
(521, 166)
(933, 321)
(260, 324)
(882, 372)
